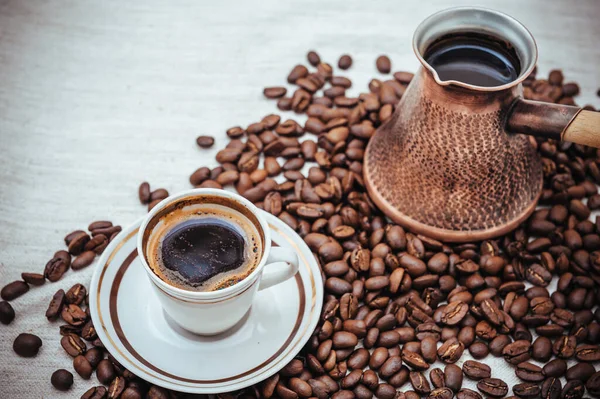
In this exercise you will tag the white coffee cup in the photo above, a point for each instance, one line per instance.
(212, 312)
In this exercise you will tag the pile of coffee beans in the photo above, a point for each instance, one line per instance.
(82, 248)
(397, 304)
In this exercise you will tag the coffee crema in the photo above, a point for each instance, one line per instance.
(204, 247)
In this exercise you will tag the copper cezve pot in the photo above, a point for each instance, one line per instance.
(450, 163)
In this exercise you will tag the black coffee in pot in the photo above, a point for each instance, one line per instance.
(473, 59)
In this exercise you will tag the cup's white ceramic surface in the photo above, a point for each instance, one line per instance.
(213, 312)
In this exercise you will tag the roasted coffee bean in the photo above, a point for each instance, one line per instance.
(493, 387)
(274, 92)
(414, 360)
(344, 339)
(527, 390)
(73, 315)
(84, 259)
(573, 389)
(35, 279)
(588, 353)
(492, 312)
(27, 345)
(94, 356)
(476, 370)
(453, 377)
(467, 393)
(62, 380)
(57, 266)
(385, 391)
(529, 372)
(450, 351)
(7, 313)
(157, 392)
(497, 345)
(551, 388)
(76, 294)
(541, 349)
(83, 367)
(517, 352)
(390, 367)
(132, 392)
(429, 349)
(454, 312)
(73, 345)
(144, 193)
(105, 372)
(441, 393)
(77, 241)
(345, 62)
(116, 388)
(580, 371)
(555, 368)
(537, 275)
(14, 290)
(359, 359)
(466, 335)
(383, 63)
(479, 350)
(436, 376)
(98, 392)
(88, 332)
(97, 244)
(419, 383)
(564, 347)
(208, 141)
(56, 304)
(593, 384)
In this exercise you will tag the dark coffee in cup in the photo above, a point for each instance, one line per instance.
(204, 246)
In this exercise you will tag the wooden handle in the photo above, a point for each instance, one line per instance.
(584, 129)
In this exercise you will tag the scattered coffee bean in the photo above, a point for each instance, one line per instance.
(76, 294)
(14, 290)
(467, 393)
(83, 367)
(7, 313)
(345, 62)
(275, 92)
(35, 279)
(313, 58)
(205, 141)
(105, 372)
(453, 377)
(476, 370)
(527, 390)
(493, 387)
(383, 63)
(116, 388)
(529, 372)
(73, 345)
(84, 259)
(56, 304)
(27, 345)
(62, 380)
(73, 315)
(57, 266)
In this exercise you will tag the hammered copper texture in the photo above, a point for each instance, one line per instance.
(443, 165)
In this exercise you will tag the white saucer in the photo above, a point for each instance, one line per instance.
(133, 327)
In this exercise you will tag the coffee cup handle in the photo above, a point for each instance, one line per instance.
(282, 264)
